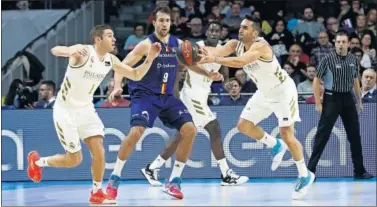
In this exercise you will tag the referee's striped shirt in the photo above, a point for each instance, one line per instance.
(338, 72)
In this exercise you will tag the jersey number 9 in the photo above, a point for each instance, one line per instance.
(165, 78)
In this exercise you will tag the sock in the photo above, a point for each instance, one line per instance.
(301, 167)
(42, 162)
(118, 166)
(268, 140)
(97, 186)
(157, 163)
(177, 170)
(223, 166)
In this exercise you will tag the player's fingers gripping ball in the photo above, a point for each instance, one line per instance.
(187, 53)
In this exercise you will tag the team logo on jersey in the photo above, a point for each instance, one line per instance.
(163, 65)
(145, 115)
(107, 63)
(338, 66)
(92, 75)
(252, 66)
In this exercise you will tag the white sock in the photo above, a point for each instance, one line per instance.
(301, 167)
(268, 140)
(42, 162)
(223, 166)
(157, 163)
(118, 166)
(177, 170)
(97, 186)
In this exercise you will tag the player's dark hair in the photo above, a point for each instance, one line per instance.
(215, 22)
(49, 84)
(342, 33)
(98, 30)
(256, 26)
(164, 9)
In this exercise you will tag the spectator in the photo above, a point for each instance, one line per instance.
(46, 95)
(244, 10)
(333, 27)
(134, 39)
(295, 75)
(298, 60)
(368, 89)
(196, 33)
(326, 8)
(369, 47)
(224, 7)
(324, 47)
(308, 26)
(225, 36)
(263, 24)
(235, 97)
(372, 20)
(365, 61)
(361, 26)
(234, 20)
(359, 55)
(208, 6)
(280, 38)
(215, 14)
(347, 17)
(311, 99)
(248, 86)
(178, 21)
(191, 9)
(356, 7)
(118, 101)
(307, 85)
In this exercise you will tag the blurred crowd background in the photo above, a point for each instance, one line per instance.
(301, 33)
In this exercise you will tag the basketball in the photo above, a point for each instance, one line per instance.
(187, 53)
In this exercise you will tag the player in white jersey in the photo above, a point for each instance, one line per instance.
(74, 115)
(276, 94)
(194, 95)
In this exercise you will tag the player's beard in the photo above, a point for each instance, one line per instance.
(162, 33)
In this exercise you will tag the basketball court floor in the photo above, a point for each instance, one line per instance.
(263, 192)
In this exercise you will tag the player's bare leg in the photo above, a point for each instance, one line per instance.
(278, 147)
(125, 150)
(188, 133)
(306, 178)
(35, 163)
(95, 145)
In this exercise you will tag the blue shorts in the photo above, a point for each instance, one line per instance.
(146, 108)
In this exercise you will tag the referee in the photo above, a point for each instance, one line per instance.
(339, 70)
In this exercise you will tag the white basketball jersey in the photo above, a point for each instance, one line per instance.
(199, 83)
(80, 82)
(266, 74)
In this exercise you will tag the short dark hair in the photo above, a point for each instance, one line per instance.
(235, 79)
(342, 33)
(49, 84)
(308, 7)
(98, 30)
(255, 24)
(215, 22)
(164, 9)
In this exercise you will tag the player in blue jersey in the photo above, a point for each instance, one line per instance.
(152, 97)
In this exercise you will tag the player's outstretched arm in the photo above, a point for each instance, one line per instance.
(138, 73)
(77, 54)
(226, 50)
(256, 51)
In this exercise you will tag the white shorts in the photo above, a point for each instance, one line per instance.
(283, 102)
(75, 124)
(198, 108)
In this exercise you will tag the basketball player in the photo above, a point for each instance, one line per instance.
(194, 95)
(276, 93)
(152, 97)
(74, 115)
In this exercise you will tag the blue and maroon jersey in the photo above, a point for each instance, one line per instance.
(161, 76)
